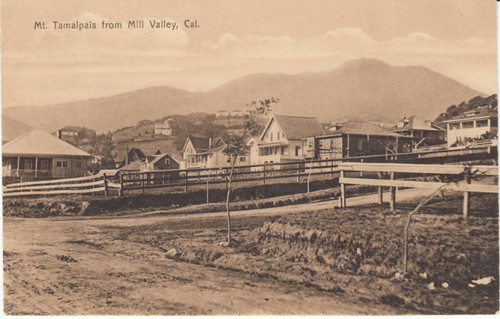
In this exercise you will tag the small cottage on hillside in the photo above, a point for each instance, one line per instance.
(39, 155)
(281, 139)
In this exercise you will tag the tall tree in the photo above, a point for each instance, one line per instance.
(236, 145)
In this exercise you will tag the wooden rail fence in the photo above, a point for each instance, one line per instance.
(70, 186)
(208, 176)
(465, 186)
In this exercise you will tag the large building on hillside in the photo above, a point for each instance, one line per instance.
(355, 138)
(39, 155)
(163, 128)
(481, 123)
(281, 139)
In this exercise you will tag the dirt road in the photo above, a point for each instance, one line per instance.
(84, 266)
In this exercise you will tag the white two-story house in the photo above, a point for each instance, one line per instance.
(481, 123)
(281, 139)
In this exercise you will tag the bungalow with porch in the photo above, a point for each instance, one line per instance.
(38, 155)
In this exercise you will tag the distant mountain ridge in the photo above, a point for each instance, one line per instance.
(364, 89)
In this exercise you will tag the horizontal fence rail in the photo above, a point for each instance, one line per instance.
(203, 176)
(69, 186)
(260, 173)
(464, 172)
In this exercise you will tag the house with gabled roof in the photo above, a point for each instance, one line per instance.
(356, 138)
(205, 152)
(281, 139)
(40, 155)
(208, 153)
(424, 131)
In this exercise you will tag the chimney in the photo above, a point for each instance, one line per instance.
(59, 134)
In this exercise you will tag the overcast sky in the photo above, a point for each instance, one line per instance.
(234, 38)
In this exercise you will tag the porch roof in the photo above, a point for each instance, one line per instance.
(40, 143)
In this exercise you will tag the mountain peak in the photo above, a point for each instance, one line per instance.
(362, 63)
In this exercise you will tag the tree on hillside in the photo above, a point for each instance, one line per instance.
(237, 145)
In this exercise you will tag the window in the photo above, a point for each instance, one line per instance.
(243, 159)
(282, 150)
(454, 126)
(297, 149)
(65, 164)
(469, 124)
(78, 164)
(229, 159)
(271, 137)
(167, 161)
(481, 123)
(58, 164)
(360, 145)
(278, 136)
(28, 164)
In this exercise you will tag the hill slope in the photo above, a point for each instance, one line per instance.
(12, 128)
(360, 89)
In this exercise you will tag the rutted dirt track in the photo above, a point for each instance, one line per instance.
(165, 265)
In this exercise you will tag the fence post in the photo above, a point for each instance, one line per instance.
(264, 174)
(142, 183)
(186, 182)
(393, 194)
(208, 178)
(121, 185)
(380, 191)
(466, 207)
(342, 198)
(105, 185)
(298, 172)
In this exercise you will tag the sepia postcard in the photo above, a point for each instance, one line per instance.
(253, 157)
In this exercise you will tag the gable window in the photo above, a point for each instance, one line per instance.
(167, 161)
(278, 136)
(271, 135)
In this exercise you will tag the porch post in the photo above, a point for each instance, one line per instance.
(36, 166)
(18, 164)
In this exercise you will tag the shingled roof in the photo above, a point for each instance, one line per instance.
(364, 128)
(40, 143)
(296, 127)
(417, 123)
(476, 113)
(200, 144)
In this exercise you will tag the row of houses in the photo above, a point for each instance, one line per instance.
(38, 154)
(294, 138)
